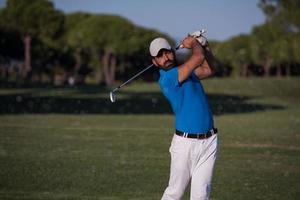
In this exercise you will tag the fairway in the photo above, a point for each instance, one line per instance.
(72, 143)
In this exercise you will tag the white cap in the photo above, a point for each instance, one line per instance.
(158, 44)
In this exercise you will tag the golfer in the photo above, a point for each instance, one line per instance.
(194, 145)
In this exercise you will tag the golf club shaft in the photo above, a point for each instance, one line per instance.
(133, 77)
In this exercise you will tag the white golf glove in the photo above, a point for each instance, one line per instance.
(197, 33)
(202, 40)
(199, 36)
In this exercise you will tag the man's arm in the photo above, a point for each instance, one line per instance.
(197, 58)
(207, 69)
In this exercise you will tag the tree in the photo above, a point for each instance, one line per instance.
(263, 37)
(281, 51)
(295, 43)
(35, 20)
(74, 43)
(235, 52)
(97, 34)
(283, 13)
(111, 40)
(239, 54)
(277, 34)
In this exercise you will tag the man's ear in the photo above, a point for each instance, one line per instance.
(154, 62)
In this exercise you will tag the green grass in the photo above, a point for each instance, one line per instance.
(55, 153)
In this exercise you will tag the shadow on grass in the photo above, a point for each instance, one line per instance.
(89, 101)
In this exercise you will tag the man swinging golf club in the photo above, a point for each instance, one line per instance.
(194, 145)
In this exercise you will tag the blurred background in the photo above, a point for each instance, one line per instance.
(62, 138)
(77, 42)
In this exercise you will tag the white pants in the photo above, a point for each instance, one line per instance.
(191, 160)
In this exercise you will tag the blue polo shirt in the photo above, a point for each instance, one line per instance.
(188, 101)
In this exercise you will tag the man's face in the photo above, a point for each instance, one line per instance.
(164, 59)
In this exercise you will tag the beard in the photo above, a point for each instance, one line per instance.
(170, 63)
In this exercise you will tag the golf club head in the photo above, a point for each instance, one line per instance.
(112, 97)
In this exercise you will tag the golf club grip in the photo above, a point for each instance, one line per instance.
(201, 33)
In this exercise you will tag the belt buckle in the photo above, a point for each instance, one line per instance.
(185, 134)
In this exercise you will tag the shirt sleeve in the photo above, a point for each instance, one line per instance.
(170, 78)
(171, 86)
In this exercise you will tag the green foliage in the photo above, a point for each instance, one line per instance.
(100, 33)
(283, 13)
(37, 18)
(281, 51)
(235, 52)
(276, 39)
(107, 32)
(263, 37)
(273, 43)
(59, 38)
(295, 42)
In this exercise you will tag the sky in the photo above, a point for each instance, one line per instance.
(222, 19)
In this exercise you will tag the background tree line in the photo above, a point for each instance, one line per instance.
(40, 43)
(272, 48)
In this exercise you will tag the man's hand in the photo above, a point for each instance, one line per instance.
(199, 35)
(202, 40)
(189, 42)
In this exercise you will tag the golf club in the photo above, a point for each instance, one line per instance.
(112, 95)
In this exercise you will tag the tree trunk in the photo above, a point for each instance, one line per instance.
(74, 77)
(278, 70)
(267, 66)
(27, 55)
(98, 72)
(78, 59)
(244, 70)
(288, 69)
(109, 67)
(3, 71)
(113, 65)
(98, 76)
(105, 64)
